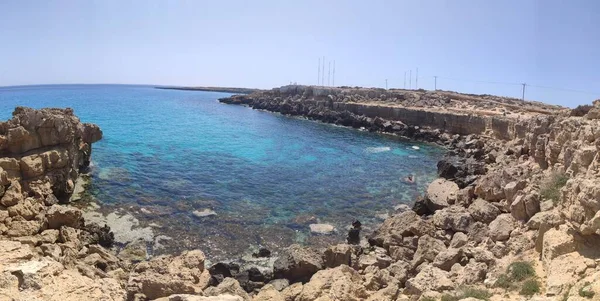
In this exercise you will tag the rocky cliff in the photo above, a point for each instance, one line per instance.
(514, 214)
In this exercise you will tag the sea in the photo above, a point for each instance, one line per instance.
(228, 179)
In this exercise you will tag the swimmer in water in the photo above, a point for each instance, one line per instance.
(410, 179)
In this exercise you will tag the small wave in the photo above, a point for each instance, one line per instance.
(380, 149)
(415, 147)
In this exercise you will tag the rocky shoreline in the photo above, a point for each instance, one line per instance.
(513, 216)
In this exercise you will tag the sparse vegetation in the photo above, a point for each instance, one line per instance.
(530, 287)
(519, 273)
(565, 295)
(468, 292)
(586, 293)
(520, 270)
(550, 189)
(581, 110)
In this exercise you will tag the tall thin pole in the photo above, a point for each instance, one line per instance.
(329, 74)
(319, 73)
(410, 80)
(333, 81)
(404, 79)
(435, 83)
(524, 84)
(323, 73)
(386, 84)
(417, 79)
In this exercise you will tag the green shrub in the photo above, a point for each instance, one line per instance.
(550, 189)
(466, 292)
(520, 270)
(530, 287)
(447, 297)
(586, 293)
(476, 293)
(504, 282)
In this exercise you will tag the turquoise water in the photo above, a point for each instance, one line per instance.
(166, 153)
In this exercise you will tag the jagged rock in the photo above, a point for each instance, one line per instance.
(563, 271)
(428, 249)
(227, 286)
(262, 252)
(400, 270)
(49, 236)
(297, 263)
(545, 219)
(473, 272)
(556, 243)
(446, 259)
(501, 227)
(483, 211)
(268, 293)
(340, 283)
(455, 218)
(377, 258)
(394, 228)
(401, 253)
(59, 215)
(291, 292)
(429, 279)
(23, 228)
(13, 195)
(511, 189)
(440, 193)
(184, 297)
(28, 209)
(459, 239)
(165, 275)
(337, 255)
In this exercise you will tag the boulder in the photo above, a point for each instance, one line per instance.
(166, 275)
(394, 228)
(59, 215)
(268, 293)
(340, 283)
(23, 228)
(455, 218)
(377, 258)
(297, 263)
(400, 270)
(31, 166)
(483, 211)
(337, 255)
(459, 239)
(13, 195)
(228, 286)
(501, 227)
(545, 219)
(446, 259)
(427, 250)
(511, 189)
(187, 297)
(440, 193)
(473, 272)
(429, 279)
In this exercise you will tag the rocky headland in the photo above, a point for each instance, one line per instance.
(514, 214)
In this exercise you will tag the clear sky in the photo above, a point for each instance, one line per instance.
(264, 44)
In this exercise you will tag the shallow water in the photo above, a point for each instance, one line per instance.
(166, 153)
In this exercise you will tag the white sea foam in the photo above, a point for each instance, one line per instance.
(379, 149)
(415, 147)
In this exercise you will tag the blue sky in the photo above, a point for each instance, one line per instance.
(270, 43)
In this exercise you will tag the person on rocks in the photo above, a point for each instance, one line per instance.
(354, 233)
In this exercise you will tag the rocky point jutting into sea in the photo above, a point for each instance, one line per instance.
(514, 214)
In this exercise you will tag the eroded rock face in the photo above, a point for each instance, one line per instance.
(340, 283)
(297, 263)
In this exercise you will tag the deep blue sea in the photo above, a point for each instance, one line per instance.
(166, 153)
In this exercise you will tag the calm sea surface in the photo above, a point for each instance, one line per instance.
(167, 153)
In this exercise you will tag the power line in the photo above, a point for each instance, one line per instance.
(319, 73)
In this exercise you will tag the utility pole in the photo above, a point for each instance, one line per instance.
(329, 75)
(404, 79)
(323, 73)
(319, 73)
(417, 79)
(386, 84)
(435, 83)
(524, 84)
(410, 80)
(333, 81)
